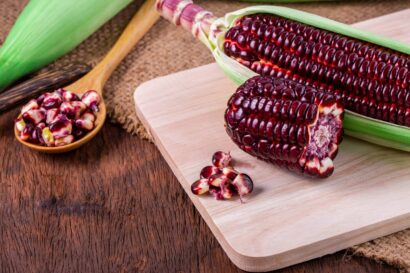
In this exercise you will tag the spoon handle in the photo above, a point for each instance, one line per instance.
(47, 81)
(142, 21)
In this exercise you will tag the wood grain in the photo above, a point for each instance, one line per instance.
(289, 218)
(111, 206)
(49, 80)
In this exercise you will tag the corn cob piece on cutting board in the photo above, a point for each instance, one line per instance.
(286, 123)
(288, 218)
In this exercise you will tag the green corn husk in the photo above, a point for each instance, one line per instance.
(47, 29)
(375, 131)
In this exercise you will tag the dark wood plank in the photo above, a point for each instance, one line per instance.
(33, 87)
(111, 206)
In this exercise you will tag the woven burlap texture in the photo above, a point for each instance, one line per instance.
(167, 49)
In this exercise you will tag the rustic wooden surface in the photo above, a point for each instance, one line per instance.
(111, 206)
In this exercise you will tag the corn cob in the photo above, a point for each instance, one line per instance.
(286, 123)
(376, 96)
(372, 80)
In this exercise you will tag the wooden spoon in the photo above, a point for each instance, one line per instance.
(97, 77)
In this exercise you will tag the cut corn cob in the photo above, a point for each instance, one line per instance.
(241, 64)
(286, 123)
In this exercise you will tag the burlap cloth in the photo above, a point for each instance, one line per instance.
(167, 49)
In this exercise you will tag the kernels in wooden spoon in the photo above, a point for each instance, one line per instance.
(64, 140)
(34, 116)
(36, 136)
(88, 116)
(32, 104)
(73, 109)
(52, 115)
(61, 128)
(67, 109)
(47, 136)
(20, 124)
(69, 96)
(58, 118)
(78, 132)
(27, 131)
(79, 108)
(41, 98)
(86, 121)
(91, 99)
(51, 100)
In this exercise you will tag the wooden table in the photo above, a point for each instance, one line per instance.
(112, 206)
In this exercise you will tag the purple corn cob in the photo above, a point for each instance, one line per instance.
(372, 80)
(286, 123)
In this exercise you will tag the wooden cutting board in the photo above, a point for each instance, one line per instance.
(288, 218)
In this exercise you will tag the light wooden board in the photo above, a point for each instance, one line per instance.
(288, 219)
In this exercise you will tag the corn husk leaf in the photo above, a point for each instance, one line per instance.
(47, 29)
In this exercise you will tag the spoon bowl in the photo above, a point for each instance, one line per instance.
(100, 117)
(97, 77)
